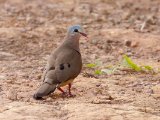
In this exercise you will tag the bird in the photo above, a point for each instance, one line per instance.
(64, 64)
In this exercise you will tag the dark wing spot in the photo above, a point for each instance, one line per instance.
(61, 66)
(69, 65)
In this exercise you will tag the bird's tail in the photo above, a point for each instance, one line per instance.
(44, 90)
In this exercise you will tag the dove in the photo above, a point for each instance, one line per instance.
(64, 64)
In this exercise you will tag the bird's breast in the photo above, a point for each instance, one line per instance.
(65, 83)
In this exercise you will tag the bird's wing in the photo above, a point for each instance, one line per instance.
(50, 65)
(67, 66)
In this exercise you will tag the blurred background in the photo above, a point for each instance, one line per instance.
(31, 29)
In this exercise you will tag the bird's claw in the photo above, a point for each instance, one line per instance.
(65, 94)
(71, 95)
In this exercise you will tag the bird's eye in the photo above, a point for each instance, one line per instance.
(75, 30)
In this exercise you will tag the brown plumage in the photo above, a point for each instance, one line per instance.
(64, 64)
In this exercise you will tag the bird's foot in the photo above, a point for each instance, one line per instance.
(69, 91)
(71, 95)
(68, 95)
(64, 94)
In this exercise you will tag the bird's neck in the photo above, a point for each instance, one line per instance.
(72, 42)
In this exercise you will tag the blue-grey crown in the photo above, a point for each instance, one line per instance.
(73, 28)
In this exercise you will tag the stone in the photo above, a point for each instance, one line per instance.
(156, 91)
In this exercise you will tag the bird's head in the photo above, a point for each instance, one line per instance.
(76, 31)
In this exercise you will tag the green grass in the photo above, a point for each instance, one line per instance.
(91, 65)
(126, 62)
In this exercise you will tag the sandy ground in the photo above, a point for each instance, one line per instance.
(30, 30)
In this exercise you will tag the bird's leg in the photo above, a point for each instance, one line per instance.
(69, 89)
(60, 89)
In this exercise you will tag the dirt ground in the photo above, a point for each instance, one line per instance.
(31, 29)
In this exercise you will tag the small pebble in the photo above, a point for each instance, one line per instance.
(128, 43)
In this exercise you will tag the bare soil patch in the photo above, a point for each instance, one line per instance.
(30, 30)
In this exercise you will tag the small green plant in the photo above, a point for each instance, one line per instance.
(98, 72)
(107, 71)
(146, 67)
(110, 70)
(126, 62)
(91, 65)
(129, 63)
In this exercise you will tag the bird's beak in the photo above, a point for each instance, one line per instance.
(84, 34)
